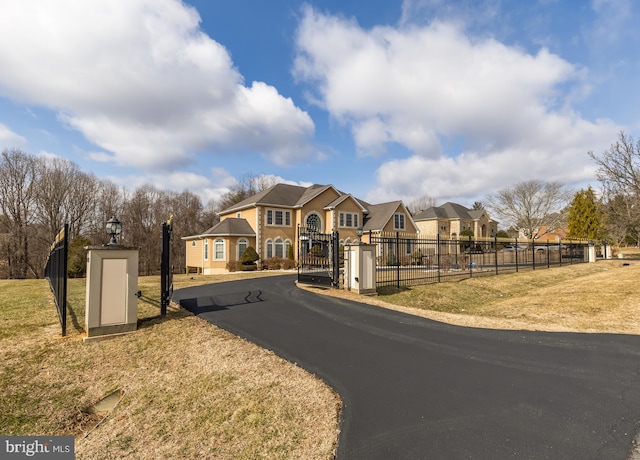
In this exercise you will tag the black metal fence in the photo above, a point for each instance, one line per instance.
(318, 257)
(56, 272)
(407, 259)
(166, 271)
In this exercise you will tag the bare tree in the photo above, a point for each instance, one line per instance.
(17, 204)
(531, 205)
(109, 202)
(249, 185)
(619, 167)
(142, 218)
(619, 173)
(63, 194)
(186, 208)
(420, 204)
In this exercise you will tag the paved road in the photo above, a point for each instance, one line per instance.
(418, 389)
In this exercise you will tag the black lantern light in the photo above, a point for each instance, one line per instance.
(359, 234)
(114, 227)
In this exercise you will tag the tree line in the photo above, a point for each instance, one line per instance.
(38, 195)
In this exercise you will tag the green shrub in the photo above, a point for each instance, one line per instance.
(248, 260)
(247, 267)
(278, 263)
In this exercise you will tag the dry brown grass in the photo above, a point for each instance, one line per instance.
(191, 390)
(600, 297)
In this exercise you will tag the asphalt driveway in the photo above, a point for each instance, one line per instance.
(413, 388)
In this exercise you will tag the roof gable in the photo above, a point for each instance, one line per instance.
(381, 214)
(228, 227)
(341, 199)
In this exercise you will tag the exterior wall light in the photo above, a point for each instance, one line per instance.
(359, 234)
(114, 227)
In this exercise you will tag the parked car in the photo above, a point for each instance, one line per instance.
(551, 247)
(514, 247)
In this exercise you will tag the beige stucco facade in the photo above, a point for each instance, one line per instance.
(479, 223)
(274, 227)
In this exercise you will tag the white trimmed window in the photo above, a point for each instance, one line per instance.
(242, 246)
(218, 248)
(398, 221)
(313, 221)
(279, 248)
(269, 244)
(278, 218)
(348, 219)
(206, 249)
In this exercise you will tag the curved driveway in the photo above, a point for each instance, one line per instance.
(413, 388)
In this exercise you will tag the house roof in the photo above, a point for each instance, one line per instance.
(451, 211)
(345, 197)
(282, 195)
(381, 214)
(227, 227)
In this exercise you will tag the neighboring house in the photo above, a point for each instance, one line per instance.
(269, 222)
(545, 234)
(451, 219)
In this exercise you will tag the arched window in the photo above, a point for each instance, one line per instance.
(279, 248)
(218, 248)
(313, 222)
(242, 246)
(269, 244)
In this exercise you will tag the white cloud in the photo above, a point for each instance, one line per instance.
(9, 139)
(475, 113)
(142, 81)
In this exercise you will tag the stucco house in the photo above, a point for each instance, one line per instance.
(451, 219)
(269, 221)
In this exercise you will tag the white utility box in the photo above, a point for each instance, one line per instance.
(112, 284)
(360, 268)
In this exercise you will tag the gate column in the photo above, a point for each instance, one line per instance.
(360, 268)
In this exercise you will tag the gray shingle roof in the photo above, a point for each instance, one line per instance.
(231, 226)
(446, 211)
(380, 214)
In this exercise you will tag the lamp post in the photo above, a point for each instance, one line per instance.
(359, 234)
(114, 227)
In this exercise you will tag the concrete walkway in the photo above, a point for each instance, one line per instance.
(413, 388)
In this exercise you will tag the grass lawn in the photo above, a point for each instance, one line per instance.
(190, 389)
(597, 297)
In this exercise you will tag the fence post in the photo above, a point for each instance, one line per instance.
(516, 251)
(495, 249)
(398, 259)
(335, 248)
(439, 266)
(470, 258)
(165, 276)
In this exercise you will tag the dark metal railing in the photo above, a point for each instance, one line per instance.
(408, 259)
(56, 272)
(166, 272)
(318, 257)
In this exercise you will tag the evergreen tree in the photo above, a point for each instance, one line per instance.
(585, 216)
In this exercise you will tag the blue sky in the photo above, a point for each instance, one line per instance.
(383, 99)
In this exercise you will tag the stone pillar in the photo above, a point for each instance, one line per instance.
(590, 252)
(360, 268)
(112, 283)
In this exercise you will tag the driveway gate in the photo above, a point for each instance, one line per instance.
(318, 257)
